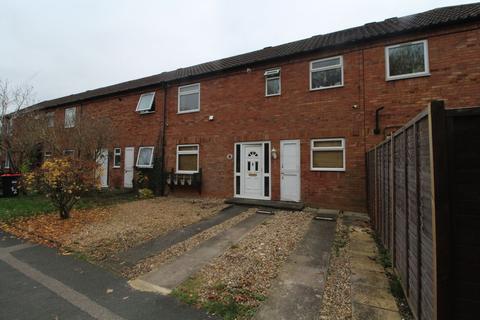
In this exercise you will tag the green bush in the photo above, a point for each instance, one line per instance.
(145, 193)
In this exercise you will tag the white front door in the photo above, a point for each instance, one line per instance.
(128, 167)
(252, 171)
(290, 170)
(102, 161)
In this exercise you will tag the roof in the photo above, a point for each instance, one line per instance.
(370, 31)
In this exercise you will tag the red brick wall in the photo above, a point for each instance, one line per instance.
(242, 113)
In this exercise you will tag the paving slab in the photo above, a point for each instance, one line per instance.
(373, 296)
(171, 274)
(298, 290)
(287, 205)
(361, 262)
(366, 312)
(372, 278)
(132, 256)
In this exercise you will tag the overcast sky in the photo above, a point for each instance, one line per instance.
(61, 47)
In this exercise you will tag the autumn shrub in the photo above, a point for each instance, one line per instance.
(63, 181)
(145, 193)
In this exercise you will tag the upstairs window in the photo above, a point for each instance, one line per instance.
(145, 157)
(272, 82)
(50, 119)
(117, 157)
(326, 73)
(328, 155)
(187, 158)
(407, 60)
(70, 117)
(189, 98)
(145, 103)
(7, 162)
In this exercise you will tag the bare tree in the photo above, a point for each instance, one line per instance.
(12, 100)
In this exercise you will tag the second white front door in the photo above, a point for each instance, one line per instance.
(253, 171)
(290, 170)
(128, 168)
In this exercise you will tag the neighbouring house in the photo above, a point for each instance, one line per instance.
(289, 122)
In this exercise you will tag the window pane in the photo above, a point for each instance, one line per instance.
(328, 159)
(146, 101)
(273, 86)
(144, 157)
(326, 78)
(326, 63)
(70, 118)
(187, 162)
(406, 59)
(187, 148)
(189, 102)
(193, 87)
(334, 143)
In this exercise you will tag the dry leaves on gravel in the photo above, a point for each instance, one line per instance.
(136, 222)
(178, 249)
(244, 273)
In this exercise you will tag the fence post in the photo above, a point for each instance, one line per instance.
(392, 197)
(440, 211)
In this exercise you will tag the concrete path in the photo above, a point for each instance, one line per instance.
(298, 292)
(170, 275)
(132, 256)
(371, 296)
(37, 283)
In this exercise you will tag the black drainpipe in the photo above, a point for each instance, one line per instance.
(162, 150)
(377, 121)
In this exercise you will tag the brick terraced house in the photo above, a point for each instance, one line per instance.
(290, 122)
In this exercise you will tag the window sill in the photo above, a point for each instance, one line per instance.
(145, 112)
(273, 95)
(186, 172)
(144, 167)
(115, 167)
(325, 88)
(192, 111)
(408, 76)
(328, 169)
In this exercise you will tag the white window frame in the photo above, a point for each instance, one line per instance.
(51, 116)
(197, 152)
(47, 154)
(7, 162)
(66, 151)
(71, 124)
(150, 165)
(117, 152)
(187, 93)
(273, 74)
(325, 69)
(313, 149)
(149, 110)
(407, 75)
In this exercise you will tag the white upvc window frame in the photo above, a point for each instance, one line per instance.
(149, 110)
(197, 152)
(50, 119)
(325, 69)
(47, 154)
(407, 75)
(187, 93)
(320, 149)
(7, 162)
(273, 74)
(150, 165)
(117, 152)
(70, 123)
(69, 153)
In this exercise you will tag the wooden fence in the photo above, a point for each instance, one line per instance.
(423, 187)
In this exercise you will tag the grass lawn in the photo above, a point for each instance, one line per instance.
(30, 205)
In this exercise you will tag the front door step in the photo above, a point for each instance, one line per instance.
(287, 205)
(173, 273)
